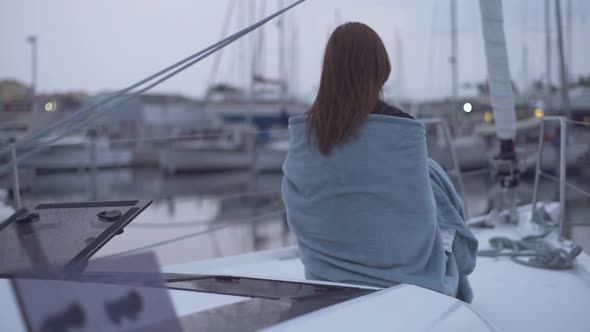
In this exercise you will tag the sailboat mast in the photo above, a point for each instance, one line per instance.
(33, 91)
(454, 62)
(294, 63)
(498, 68)
(399, 66)
(282, 59)
(525, 68)
(251, 14)
(565, 101)
(548, 76)
(570, 45)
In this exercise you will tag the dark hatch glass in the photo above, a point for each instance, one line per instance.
(254, 287)
(51, 236)
(272, 301)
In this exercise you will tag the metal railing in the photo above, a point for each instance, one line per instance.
(456, 167)
(561, 179)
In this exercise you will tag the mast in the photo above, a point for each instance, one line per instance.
(525, 51)
(282, 60)
(33, 41)
(505, 167)
(399, 66)
(525, 67)
(570, 45)
(242, 70)
(251, 14)
(498, 69)
(259, 67)
(217, 61)
(454, 63)
(294, 63)
(548, 75)
(565, 101)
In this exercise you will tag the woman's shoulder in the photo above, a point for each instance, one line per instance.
(385, 109)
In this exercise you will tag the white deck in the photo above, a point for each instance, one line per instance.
(511, 296)
(508, 296)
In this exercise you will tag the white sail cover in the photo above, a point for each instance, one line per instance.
(501, 94)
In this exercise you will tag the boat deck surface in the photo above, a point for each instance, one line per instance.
(511, 296)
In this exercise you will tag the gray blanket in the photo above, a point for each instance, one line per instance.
(377, 211)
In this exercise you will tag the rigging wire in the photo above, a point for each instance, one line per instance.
(181, 65)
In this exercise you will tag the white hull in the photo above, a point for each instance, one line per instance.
(73, 157)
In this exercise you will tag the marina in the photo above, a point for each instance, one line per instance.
(194, 203)
(252, 207)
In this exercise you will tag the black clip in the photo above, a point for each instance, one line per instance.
(109, 216)
(27, 218)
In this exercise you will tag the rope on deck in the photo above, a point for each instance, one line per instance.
(540, 254)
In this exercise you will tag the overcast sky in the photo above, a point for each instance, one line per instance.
(96, 45)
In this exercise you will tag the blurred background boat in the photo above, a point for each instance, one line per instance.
(222, 152)
(74, 152)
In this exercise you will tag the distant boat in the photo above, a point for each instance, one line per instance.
(75, 152)
(228, 151)
(224, 153)
(265, 111)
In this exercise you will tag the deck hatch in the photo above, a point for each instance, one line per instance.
(60, 235)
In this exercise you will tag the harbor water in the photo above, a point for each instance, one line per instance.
(207, 215)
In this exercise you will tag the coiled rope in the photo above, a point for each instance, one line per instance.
(540, 254)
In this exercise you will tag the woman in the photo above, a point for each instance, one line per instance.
(366, 204)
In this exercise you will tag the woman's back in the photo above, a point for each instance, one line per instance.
(366, 213)
(357, 186)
